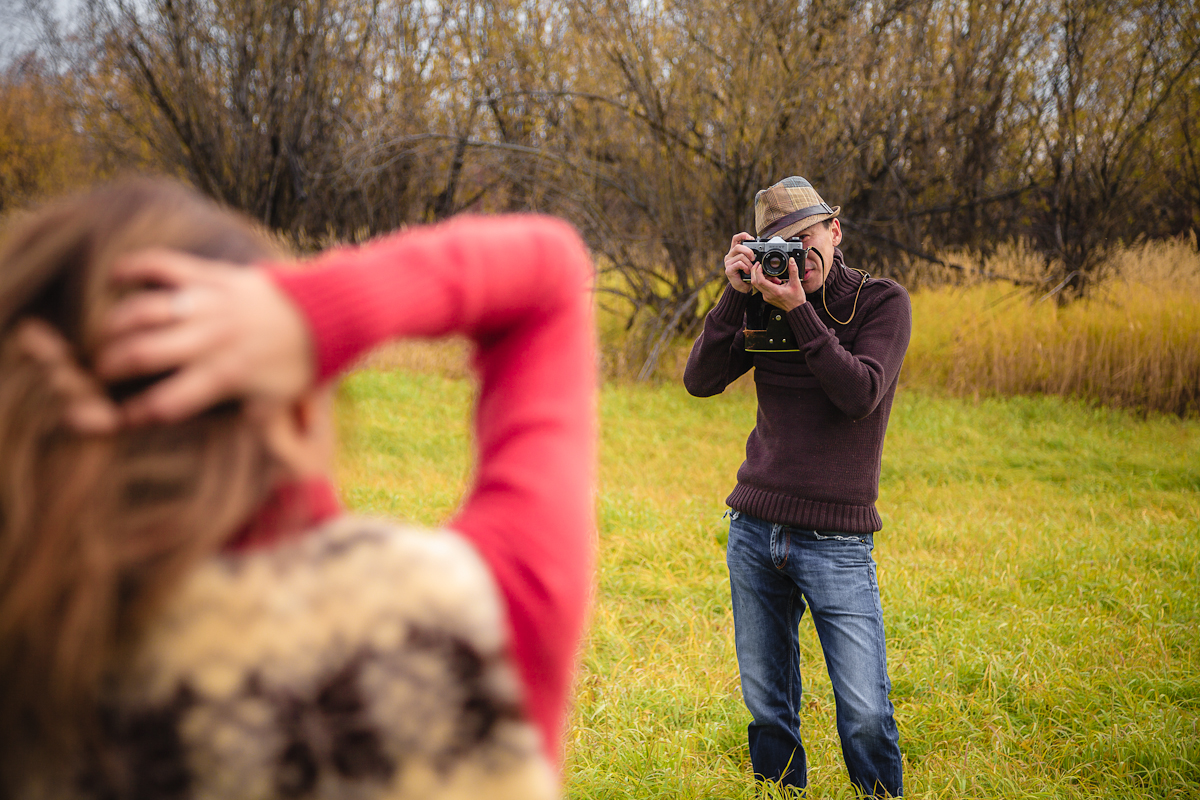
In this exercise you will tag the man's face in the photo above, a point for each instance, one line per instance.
(823, 240)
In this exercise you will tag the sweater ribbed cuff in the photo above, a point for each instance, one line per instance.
(338, 333)
(806, 324)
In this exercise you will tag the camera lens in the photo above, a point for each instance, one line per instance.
(774, 263)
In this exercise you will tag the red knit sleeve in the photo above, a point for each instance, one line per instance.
(519, 287)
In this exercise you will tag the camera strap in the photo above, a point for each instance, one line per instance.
(854, 310)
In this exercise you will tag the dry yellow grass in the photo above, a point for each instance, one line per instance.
(449, 358)
(1134, 343)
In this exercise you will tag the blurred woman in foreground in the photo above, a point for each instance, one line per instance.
(184, 611)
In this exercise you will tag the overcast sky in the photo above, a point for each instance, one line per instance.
(19, 27)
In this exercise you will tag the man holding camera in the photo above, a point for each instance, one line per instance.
(826, 343)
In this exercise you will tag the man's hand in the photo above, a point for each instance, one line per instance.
(787, 295)
(738, 261)
(226, 330)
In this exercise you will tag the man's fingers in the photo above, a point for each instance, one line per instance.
(757, 279)
(163, 349)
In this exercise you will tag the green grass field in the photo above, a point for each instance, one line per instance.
(1039, 570)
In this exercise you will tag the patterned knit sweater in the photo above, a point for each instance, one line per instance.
(359, 660)
(813, 458)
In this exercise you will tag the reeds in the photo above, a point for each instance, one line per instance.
(1134, 343)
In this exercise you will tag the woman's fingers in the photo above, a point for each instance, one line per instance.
(177, 287)
(217, 331)
(222, 330)
(161, 267)
(183, 394)
(87, 408)
(151, 351)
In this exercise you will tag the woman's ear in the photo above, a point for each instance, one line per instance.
(301, 433)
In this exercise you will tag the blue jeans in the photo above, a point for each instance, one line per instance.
(775, 572)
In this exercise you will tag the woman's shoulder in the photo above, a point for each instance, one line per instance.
(361, 656)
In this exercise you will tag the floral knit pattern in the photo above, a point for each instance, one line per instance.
(360, 661)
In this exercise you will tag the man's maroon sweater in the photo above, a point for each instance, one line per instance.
(813, 458)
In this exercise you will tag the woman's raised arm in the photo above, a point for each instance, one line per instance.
(518, 286)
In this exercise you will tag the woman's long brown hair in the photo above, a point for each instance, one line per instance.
(96, 530)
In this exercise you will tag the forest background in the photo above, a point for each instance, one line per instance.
(948, 130)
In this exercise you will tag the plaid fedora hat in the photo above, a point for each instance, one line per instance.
(789, 207)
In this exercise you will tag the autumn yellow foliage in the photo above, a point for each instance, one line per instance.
(42, 153)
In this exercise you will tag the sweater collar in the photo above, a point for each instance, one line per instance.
(841, 280)
(293, 508)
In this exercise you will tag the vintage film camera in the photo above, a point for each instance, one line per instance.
(774, 253)
(767, 331)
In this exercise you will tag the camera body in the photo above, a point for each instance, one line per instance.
(773, 254)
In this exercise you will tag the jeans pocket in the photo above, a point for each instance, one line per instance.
(781, 543)
(856, 538)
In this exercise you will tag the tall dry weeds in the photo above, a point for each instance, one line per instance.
(1134, 343)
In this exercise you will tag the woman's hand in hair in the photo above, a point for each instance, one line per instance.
(86, 408)
(225, 331)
